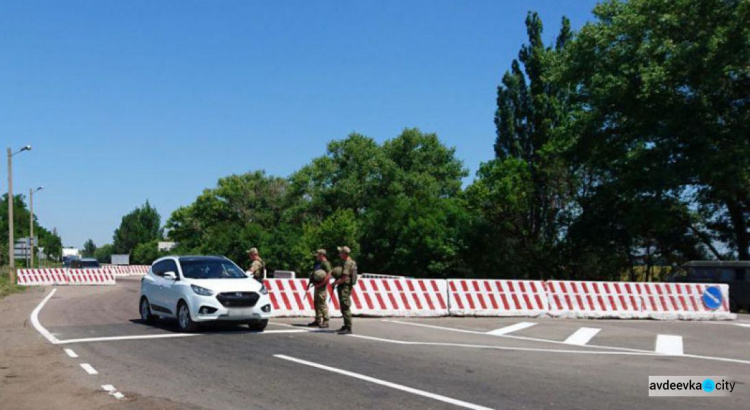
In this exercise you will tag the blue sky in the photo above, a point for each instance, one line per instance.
(128, 101)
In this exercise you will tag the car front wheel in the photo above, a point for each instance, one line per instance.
(184, 321)
(146, 316)
(258, 325)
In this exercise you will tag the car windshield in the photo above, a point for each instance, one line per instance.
(89, 264)
(211, 269)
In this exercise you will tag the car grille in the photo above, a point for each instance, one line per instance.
(238, 299)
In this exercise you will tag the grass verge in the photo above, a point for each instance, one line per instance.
(6, 288)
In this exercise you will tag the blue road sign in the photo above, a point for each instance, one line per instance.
(712, 297)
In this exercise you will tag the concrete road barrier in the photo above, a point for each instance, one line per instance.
(594, 299)
(684, 300)
(62, 277)
(127, 270)
(41, 277)
(497, 297)
(371, 297)
(90, 277)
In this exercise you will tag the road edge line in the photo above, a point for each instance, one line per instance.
(38, 326)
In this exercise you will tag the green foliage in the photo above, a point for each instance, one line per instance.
(6, 288)
(89, 249)
(395, 205)
(618, 149)
(104, 253)
(660, 126)
(50, 241)
(140, 226)
(145, 253)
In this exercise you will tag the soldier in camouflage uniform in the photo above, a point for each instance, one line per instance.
(321, 290)
(348, 269)
(257, 267)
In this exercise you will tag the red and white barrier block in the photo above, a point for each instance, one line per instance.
(289, 297)
(479, 297)
(41, 277)
(399, 297)
(54, 277)
(630, 300)
(684, 301)
(370, 297)
(127, 270)
(90, 277)
(594, 299)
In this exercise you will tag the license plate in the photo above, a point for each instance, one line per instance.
(240, 312)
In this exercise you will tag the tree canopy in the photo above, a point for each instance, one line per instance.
(621, 145)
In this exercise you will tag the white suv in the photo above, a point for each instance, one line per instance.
(196, 289)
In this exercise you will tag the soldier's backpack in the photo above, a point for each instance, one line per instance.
(354, 274)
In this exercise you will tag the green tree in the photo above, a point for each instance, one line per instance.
(104, 253)
(145, 253)
(89, 249)
(142, 225)
(52, 245)
(402, 194)
(241, 212)
(523, 198)
(49, 240)
(662, 116)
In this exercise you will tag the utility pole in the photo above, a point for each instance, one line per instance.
(31, 222)
(11, 249)
(11, 242)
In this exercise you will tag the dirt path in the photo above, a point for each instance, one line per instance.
(35, 374)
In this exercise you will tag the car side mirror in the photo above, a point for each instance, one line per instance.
(170, 275)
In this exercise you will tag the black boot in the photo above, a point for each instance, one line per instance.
(345, 331)
(313, 324)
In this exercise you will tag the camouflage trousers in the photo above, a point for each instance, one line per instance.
(345, 300)
(321, 304)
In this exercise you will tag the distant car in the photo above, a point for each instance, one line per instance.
(736, 274)
(198, 289)
(85, 263)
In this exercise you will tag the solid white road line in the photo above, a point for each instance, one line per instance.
(490, 347)
(582, 336)
(510, 329)
(669, 345)
(117, 338)
(71, 353)
(411, 390)
(163, 336)
(742, 324)
(35, 320)
(623, 349)
(90, 370)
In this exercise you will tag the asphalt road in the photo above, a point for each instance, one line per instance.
(395, 363)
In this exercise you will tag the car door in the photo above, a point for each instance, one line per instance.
(170, 288)
(154, 288)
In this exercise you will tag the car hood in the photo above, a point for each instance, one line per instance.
(228, 285)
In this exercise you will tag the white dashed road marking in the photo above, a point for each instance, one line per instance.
(669, 345)
(510, 329)
(71, 353)
(90, 370)
(112, 391)
(582, 336)
(411, 390)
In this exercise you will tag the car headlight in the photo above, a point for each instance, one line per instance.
(263, 290)
(201, 291)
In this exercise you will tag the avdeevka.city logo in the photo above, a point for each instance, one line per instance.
(690, 386)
